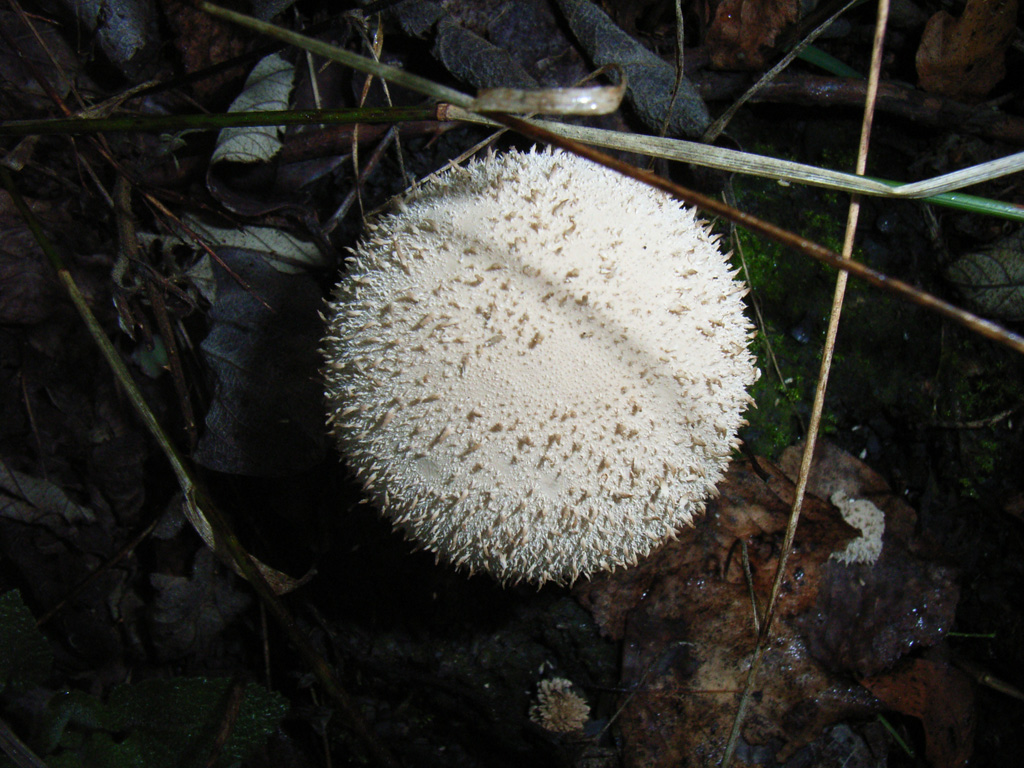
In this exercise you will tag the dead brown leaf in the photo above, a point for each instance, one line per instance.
(867, 617)
(688, 626)
(965, 58)
(743, 32)
(203, 41)
(942, 697)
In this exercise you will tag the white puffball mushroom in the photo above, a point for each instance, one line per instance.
(537, 366)
(869, 520)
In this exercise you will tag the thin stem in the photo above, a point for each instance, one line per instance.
(214, 122)
(818, 406)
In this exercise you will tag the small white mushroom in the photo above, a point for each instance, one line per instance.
(558, 708)
(541, 364)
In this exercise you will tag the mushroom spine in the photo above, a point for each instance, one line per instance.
(537, 367)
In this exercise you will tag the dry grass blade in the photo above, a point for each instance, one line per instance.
(736, 161)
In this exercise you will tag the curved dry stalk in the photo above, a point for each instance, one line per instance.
(937, 190)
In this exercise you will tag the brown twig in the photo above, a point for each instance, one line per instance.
(893, 98)
(163, 322)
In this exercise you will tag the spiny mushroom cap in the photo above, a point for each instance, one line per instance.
(558, 707)
(538, 367)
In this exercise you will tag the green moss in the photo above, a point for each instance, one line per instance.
(777, 420)
(914, 380)
(977, 390)
(793, 294)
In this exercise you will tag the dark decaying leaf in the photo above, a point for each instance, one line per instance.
(126, 30)
(687, 623)
(25, 655)
(475, 61)
(417, 17)
(40, 51)
(50, 544)
(687, 626)
(29, 292)
(189, 612)
(965, 58)
(991, 281)
(203, 41)
(867, 617)
(158, 724)
(266, 418)
(520, 46)
(651, 79)
(36, 501)
(941, 697)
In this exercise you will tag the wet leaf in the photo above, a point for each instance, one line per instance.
(991, 281)
(942, 698)
(688, 625)
(868, 616)
(965, 58)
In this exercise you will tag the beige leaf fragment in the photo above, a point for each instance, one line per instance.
(268, 87)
